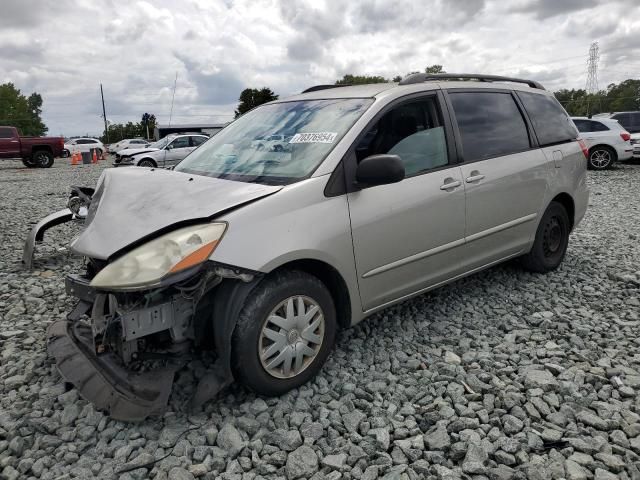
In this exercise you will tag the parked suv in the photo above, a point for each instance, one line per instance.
(606, 140)
(631, 122)
(83, 145)
(385, 192)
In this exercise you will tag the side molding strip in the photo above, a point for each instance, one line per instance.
(449, 246)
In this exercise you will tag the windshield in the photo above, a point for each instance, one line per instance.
(160, 143)
(278, 143)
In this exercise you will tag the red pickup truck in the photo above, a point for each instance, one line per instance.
(34, 151)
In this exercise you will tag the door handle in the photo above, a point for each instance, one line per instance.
(450, 185)
(475, 177)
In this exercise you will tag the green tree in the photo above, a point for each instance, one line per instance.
(252, 97)
(434, 69)
(360, 79)
(22, 112)
(120, 131)
(624, 96)
(148, 120)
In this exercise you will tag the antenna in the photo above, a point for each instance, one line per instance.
(592, 73)
(175, 82)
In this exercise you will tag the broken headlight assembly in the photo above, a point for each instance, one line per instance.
(148, 265)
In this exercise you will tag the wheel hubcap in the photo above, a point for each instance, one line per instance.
(552, 237)
(600, 158)
(291, 337)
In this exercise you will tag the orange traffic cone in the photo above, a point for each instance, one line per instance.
(94, 159)
(74, 158)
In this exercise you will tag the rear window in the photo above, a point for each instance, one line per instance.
(550, 121)
(6, 133)
(490, 124)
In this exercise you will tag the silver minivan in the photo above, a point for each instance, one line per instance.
(384, 192)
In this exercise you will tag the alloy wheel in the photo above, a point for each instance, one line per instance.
(600, 158)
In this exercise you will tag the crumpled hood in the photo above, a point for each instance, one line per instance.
(134, 151)
(131, 204)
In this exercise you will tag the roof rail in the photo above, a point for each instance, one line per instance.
(424, 77)
(324, 87)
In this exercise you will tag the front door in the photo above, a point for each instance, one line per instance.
(180, 148)
(409, 235)
(505, 175)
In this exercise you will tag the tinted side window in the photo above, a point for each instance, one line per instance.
(550, 121)
(490, 124)
(414, 131)
(583, 125)
(630, 121)
(181, 142)
(197, 141)
(6, 133)
(598, 127)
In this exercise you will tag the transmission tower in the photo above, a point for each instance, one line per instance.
(592, 74)
(592, 68)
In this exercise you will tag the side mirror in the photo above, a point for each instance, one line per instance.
(379, 170)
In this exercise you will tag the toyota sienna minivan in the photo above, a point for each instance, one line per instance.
(384, 192)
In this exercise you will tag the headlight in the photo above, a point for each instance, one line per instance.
(146, 266)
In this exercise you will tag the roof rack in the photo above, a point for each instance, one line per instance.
(424, 77)
(324, 87)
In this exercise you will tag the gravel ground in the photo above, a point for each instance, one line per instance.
(502, 375)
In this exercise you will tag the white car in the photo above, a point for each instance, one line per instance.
(83, 145)
(272, 143)
(129, 143)
(606, 140)
(164, 153)
(631, 122)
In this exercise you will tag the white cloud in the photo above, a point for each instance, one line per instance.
(65, 49)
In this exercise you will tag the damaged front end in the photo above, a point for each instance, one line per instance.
(77, 208)
(151, 297)
(121, 350)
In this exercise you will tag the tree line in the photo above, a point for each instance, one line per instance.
(24, 112)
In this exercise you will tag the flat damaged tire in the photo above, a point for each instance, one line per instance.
(285, 333)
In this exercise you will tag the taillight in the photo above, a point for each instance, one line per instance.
(585, 150)
(625, 136)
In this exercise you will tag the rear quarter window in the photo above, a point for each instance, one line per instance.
(550, 122)
(598, 127)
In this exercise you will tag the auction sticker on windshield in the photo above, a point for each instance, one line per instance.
(319, 137)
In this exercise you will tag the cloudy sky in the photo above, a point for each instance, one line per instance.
(65, 49)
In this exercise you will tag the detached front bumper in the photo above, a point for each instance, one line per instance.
(101, 380)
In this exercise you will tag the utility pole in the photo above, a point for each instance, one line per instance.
(592, 74)
(175, 82)
(104, 115)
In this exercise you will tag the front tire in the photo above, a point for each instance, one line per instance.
(552, 239)
(601, 158)
(284, 334)
(147, 162)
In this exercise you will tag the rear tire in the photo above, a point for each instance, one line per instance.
(601, 157)
(552, 239)
(304, 333)
(42, 159)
